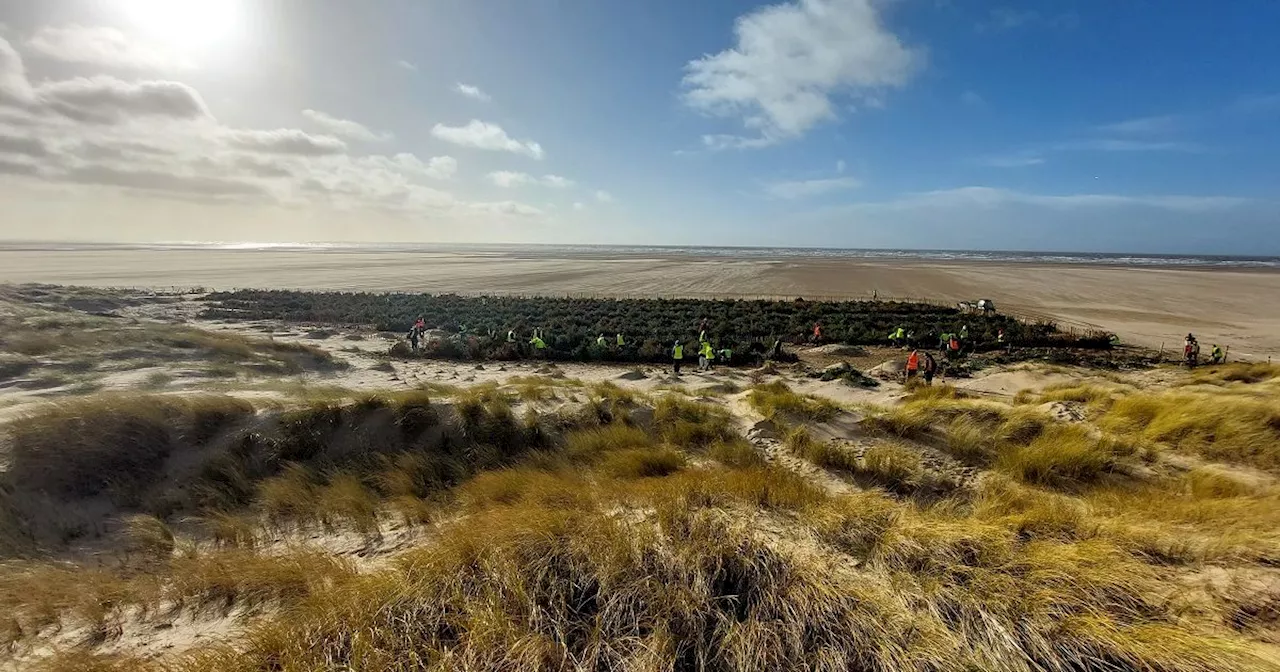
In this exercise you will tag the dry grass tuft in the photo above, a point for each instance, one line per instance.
(243, 578)
(643, 463)
(523, 486)
(1238, 428)
(228, 529)
(112, 445)
(1093, 395)
(290, 496)
(970, 441)
(1240, 372)
(1065, 456)
(691, 424)
(589, 445)
(526, 586)
(776, 400)
(922, 392)
(896, 467)
(736, 453)
(346, 498)
(540, 388)
(148, 537)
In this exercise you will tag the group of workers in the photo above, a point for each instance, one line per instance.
(706, 352)
(1191, 352)
(925, 365)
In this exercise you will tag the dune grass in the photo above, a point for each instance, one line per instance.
(736, 453)
(690, 424)
(896, 467)
(328, 461)
(1019, 440)
(1065, 456)
(540, 388)
(1239, 372)
(527, 582)
(598, 541)
(114, 444)
(776, 400)
(72, 342)
(1238, 428)
(1095, 396)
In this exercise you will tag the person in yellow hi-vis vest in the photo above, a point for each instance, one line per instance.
(620, 341)
(677, 356)
(706, 357)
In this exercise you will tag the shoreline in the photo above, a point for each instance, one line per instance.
(1146, 305)
(1263, 264)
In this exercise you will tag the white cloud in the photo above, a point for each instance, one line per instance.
(790, 60)
(1004, 18)
(1007, 18)
(483, 135)
(286, 141)
(345, 127)
(508, 179)
(437, 167)
(14, 87)
(507, 208)
(1014, 160)
(579, 206)
(472, 92)
(972, 99)
(157, 140)
(1255, 104)
(442, 167)
(966, 217)
(807, 188)
(1035, 155)
(22, 145)
(840, 166)
(1167, 123)
(990, 196)
(155, 180)
(108, 100)
(407, 66)
(725, 141)
(101, 46)
(1120, 145)
(604, 196)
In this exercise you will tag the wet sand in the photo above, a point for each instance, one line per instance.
(1149, 306)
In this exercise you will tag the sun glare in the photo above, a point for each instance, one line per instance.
(190, 23)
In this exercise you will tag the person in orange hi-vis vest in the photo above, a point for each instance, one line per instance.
(913, 364)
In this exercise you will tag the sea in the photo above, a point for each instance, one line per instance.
(612, 251)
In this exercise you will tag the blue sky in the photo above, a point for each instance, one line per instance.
(1086, 125)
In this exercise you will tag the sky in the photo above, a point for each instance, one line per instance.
(1071, 125)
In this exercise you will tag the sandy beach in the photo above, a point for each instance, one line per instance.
(1148, 306)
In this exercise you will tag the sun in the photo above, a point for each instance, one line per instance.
(188, 23)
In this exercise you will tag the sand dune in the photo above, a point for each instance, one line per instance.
(1150, 306)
